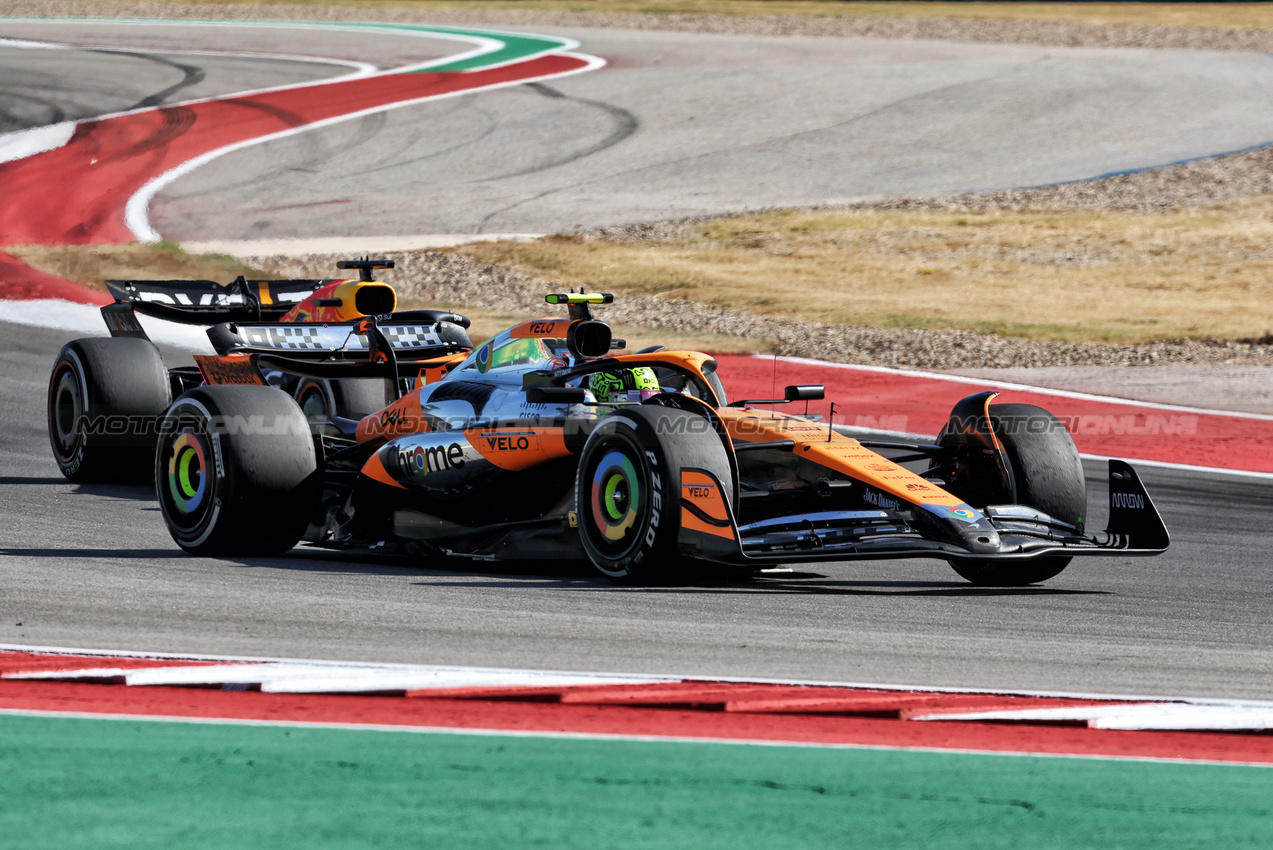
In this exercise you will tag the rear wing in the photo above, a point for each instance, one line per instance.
(347, 341)
(206, 302)
(360, 349)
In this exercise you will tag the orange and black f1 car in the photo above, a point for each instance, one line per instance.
(327, 417)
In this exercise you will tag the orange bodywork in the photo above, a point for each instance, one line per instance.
(404, 416)
(550, 328)
(518, 448)
(375, 470)
(703, 506)
(228, 369)
(694, 360)
(432, 371)
(823, 446)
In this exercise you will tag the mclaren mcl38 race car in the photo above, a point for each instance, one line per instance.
(327, 417)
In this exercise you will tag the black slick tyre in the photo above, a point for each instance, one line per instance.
(236, 471)
(627, 490)
(349, 398)
(106, 398)
(1048, 474)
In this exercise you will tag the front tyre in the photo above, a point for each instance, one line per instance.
(1048, 474)
(627, 493)
(106, 397)
(236, 471)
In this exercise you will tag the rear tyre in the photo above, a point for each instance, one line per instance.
(236, 471)
(627, 490)
(348, 398)
(1048, 474)
(106, 397)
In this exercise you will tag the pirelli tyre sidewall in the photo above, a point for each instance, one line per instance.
(106, 398)
(1048, 475)
(627, 496)
(236, 471)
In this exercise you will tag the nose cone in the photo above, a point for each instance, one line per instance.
(963, 526)
(979, 538)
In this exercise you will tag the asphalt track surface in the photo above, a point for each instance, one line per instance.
(93, 566)
(677, 124)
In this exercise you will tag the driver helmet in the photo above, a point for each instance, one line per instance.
(633, 385)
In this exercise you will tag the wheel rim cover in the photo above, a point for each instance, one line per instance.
(66, 412)
(615, 496)
(314, 405)
(187, 473)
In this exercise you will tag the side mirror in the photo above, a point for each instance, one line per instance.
(805, 392)
(795, 392)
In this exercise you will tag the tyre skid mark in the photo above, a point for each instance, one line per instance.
(114, 165)
(109, 162)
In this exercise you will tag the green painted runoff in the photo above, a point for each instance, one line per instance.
(70, 782)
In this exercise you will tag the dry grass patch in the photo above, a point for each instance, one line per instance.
(91, 265)
(1043, 274)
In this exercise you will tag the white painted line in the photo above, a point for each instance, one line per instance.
(980, 382)
(136, 211)
(1164, 717)
(24, 44)
(335, 677)
(381, 681)
(1185, 467)
(73, 673)
(219, 674)
(300, 677)
(21, 144)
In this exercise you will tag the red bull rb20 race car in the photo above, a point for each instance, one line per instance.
(329, 418)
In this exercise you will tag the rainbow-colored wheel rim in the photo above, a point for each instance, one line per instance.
(187, 473)
(615, 496)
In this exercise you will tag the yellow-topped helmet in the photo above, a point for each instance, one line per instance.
(624, 385)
